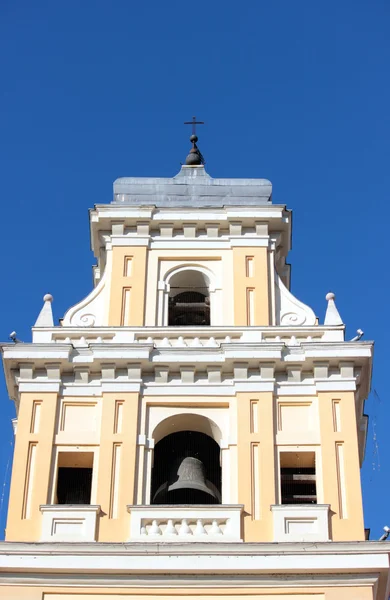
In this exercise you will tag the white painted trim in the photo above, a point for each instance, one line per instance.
(249, 242)
(219, 523)
(130, 240)
(199, 388)
(193, 560)
(286, 389)
(91, 310)
(69, 523)
(119, 211)
(40, 386)
(289, 310)
(300, 522)
(188, 244)
(120, 387)
(179, 390)
(254, 386)
(336, 386)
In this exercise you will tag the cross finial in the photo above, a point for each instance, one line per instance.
(194, 123)
(195, 157)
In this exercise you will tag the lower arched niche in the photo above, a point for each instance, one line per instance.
(186, 469)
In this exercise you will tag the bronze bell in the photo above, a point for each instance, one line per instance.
(192, 476)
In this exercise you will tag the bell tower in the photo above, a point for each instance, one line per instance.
(190, 425)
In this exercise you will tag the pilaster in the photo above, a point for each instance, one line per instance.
(340, 464)
(117, 463)
(32, 466)
(251, 287)
(127, 294)
(256, 460)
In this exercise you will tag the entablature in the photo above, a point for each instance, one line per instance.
(190, 228)
(286, 360)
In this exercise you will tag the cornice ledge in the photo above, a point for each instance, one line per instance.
(343, 349)
(210, 548)
(131, 580)
(31, 351)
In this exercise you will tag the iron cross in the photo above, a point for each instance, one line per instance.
(194, 123)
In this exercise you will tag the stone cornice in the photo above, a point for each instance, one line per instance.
(368, 548)
(111, 223)
(242, 356)
(197, 564)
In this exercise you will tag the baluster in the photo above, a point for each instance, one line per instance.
(170, 528)
(228, 527)
(200, 530)
(215, 528)
(155, 529)
(185, 529)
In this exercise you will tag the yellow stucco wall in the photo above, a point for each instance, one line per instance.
(134, 296)
(30, 483)
(256, 465)
(115, 526)
(121, 472)
(127, 293)
(246, 282)
(345, 497)
(41, 479)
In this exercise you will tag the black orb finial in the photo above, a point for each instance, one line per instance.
(195, 156)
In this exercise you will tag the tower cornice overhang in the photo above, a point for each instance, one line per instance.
(194, 565)
(112, 224)
(231, 359)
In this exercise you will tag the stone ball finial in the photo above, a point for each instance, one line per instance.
(48, 298)
(330, 296)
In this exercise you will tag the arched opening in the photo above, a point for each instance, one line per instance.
(186, 469)
(189, 299)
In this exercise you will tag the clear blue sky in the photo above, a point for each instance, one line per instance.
(296, 92)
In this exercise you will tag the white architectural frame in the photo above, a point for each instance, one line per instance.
(219, 421)
(82, 450)
(215, 291)
(318, 466)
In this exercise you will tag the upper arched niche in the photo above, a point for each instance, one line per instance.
(189, 298)
(187, 422)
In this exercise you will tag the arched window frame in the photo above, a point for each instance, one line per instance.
(164, 291)
(219, 431)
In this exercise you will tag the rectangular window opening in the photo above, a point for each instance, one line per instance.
(298, 478)
(74, 478)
